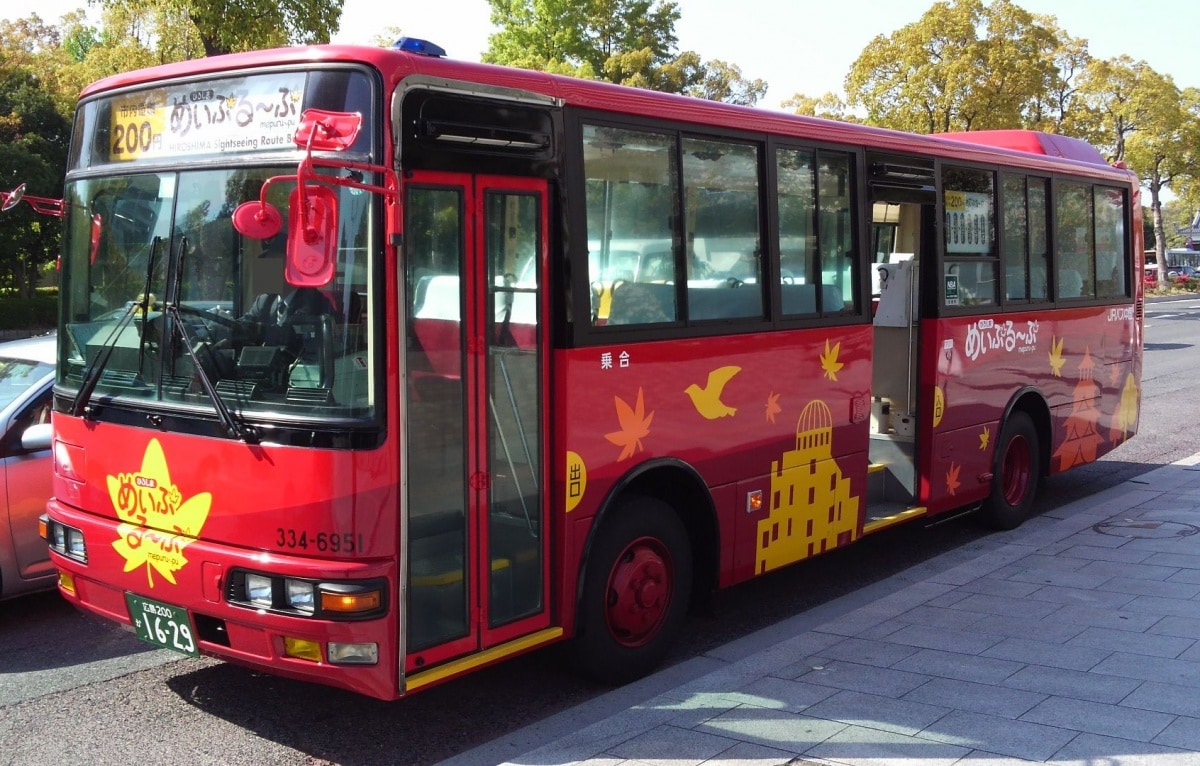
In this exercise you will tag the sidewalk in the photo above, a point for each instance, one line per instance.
(1072, 640)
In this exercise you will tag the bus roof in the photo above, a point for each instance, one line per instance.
(1013, 147)
(1033, 142)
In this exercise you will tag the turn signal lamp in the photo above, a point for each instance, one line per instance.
(349, 599)
(66, 581)
(302, 649)
(754, 501)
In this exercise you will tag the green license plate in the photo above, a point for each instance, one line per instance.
(161, 624)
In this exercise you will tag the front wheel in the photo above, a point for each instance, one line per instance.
(1015, 473)
(635, 592)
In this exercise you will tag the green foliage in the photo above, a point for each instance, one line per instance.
(33, 150)
(173, 27)
(962, 66)
(29, 313)
(628, 42)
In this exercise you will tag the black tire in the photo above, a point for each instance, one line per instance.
(635, 592)
(1016, 471)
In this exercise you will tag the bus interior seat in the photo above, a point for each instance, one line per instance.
(802, 299)
(646, 303)
(436, 324)
(641, 303)
(1070, 283)
(1037, 282)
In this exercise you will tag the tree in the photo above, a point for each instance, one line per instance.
(33, 149)
(1138, 116)
(227, 27)
(938, 74)
(629, 42)
(829, 106)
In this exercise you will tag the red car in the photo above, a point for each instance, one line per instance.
(26, 378)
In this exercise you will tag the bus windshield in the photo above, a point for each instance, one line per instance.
(165, 303)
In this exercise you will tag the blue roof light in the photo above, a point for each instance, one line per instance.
(417, 45)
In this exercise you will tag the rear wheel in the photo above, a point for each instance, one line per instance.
(635, 593)
(1015, 473)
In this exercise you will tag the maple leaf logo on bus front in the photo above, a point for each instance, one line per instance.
(158, 523)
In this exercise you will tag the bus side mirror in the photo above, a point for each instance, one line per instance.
(13, 198)
(312, 205)
(312, 237)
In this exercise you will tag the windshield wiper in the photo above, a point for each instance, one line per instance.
(145, 302)
(94, 370)
(233, 427)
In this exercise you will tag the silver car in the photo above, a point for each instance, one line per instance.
(26, 379)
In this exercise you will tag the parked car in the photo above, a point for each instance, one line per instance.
(1176, 273)
(1150, 275)
(26, 379)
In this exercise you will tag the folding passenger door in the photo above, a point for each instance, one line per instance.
(475, 512)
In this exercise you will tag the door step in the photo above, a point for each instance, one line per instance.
(886, 515)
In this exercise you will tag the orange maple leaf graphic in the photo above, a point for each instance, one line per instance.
(829, 360)
(952, 478)
(635, 424)
(157, 523)
(1056, 356)
(773, 407)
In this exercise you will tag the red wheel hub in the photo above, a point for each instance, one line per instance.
(1016, 471)
(639, 592)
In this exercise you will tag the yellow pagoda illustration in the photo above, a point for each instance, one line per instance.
(811, 509)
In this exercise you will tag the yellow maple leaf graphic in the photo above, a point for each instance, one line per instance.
(1056, 356)
(952, 478)
(773, 407)
(829, 360)
(635, 425)
(158, 522)
(984, 438)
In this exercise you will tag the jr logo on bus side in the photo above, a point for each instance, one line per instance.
(148, 503)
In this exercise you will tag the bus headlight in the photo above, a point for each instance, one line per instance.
(75, 547)
(65, 540)
(259, 590)
(300, 595)
(323, 599)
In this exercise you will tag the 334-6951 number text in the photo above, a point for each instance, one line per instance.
(322, 542)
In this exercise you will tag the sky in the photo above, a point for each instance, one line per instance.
(796, 47)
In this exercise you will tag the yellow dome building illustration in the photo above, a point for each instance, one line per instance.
(811, 509)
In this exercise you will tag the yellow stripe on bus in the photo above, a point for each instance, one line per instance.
(426, 677)
(874, 525)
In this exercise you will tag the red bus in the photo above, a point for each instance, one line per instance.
(376, 367)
